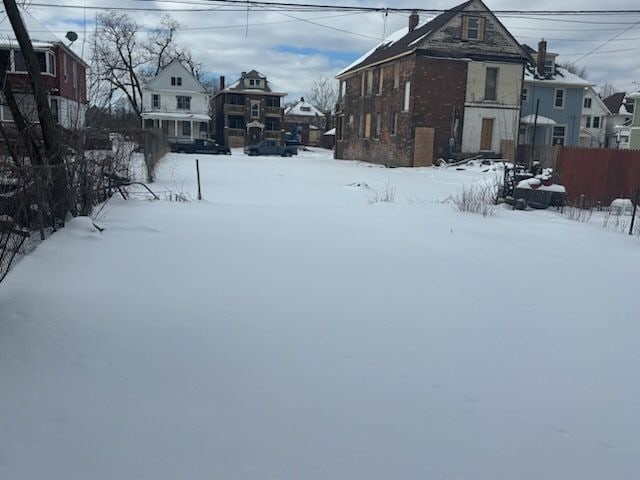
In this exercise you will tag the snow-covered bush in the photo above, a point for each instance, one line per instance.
(477, 198)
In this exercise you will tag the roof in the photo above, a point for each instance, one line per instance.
(618, 104)
(330, 133)
(403, 42)
(562, 76)
(238, 87)
(542, 121)
(303, 109)
(40, 36)
(177, 116)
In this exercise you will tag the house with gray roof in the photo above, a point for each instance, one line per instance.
(248, 111)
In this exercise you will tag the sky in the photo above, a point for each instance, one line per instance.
(294, 48)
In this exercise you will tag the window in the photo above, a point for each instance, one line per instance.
(548, 67)
(588, 122)
(340, 128)
(252, 82)
(525, 94)
(42, 61)
(237, 122)
(367, 125)
(186, 129)
(558, 135)
(394, 123)
(272, 124)
(234, 99)
(343, 90)
(472, 28)
(183, 102)
(380, 80)
(18, 60)
(491, 83)
(176, 81)
(305, 109)
(273, 101)
(362, 79)
(255, 110)
(55, 110)
(376, 134)
(596, 122)
(407, 96)
(396, 75)
(155, 100)
(370, 83)
(5, 60)
(558, 101)
(74, 69)
(587, 102)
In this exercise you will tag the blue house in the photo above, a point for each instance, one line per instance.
(552, 100)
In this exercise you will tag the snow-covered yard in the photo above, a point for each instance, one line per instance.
(290, 326)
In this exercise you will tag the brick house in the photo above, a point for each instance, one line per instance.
(448, 86)
(63, 73)
(247, 111)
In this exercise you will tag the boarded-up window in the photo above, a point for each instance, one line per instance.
(491, 84)
(362, 80)
(380, 81)
(367, 125)
(370, 83)
(407, 96)
(396, 75)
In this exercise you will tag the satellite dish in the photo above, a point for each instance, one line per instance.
(71, 36)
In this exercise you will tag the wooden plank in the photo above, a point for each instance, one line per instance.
(423, 146)
(487, 134)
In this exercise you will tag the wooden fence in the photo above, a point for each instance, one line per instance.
(598, 174)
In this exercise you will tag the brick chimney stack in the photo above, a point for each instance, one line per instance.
(414, 19)
(542, 56)
(221, 82)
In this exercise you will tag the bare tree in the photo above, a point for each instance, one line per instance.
(323, 94)
(607, 90)
(124, 59)
(581, 72)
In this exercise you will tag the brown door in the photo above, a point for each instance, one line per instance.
(487, 134)
(423, 147)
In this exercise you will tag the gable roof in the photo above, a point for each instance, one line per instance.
(403, 42)
(618, 105)
(239, 87)
(174, 63)
(598, 100)
(303, 109)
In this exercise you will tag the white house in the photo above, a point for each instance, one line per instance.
(593, 127)
(618, 124)
(176, 102)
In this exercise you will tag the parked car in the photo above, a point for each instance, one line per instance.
(271, 147)
(200, 145)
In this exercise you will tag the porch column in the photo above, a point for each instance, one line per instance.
(191, 129)
(175, 132)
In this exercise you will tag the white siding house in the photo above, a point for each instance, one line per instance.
(595, 113)
(177, 103)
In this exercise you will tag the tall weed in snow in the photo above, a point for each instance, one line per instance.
(477, 198)
(577, 214)
(386, 194)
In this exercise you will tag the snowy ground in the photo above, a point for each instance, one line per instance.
(290, 327)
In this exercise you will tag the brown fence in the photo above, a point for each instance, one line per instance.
(546, 155)
(599, 174)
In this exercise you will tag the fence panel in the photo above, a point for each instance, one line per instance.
(599, 174)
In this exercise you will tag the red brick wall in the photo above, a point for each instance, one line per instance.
(66, 87)
(439, 93)
(438, 89)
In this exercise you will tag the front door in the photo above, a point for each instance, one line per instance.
(487, 134)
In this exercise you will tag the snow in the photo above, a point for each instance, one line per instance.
(531, 120)
(177, 116)
(310, 110)
(290, 327)
(562, 77)
(536, 184)
(331, 132)
(388, 41)
(40, 36)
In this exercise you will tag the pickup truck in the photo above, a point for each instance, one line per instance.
(271, 147)
(200, 145)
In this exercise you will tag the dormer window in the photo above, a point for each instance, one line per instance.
(252, 82)
(472, 28)
(549, 67)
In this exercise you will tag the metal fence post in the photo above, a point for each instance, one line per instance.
(198, 175)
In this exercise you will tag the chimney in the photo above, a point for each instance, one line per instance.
(542, 56)
(221, 82)
(414, 19)
(243, 74)
(302, 99)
